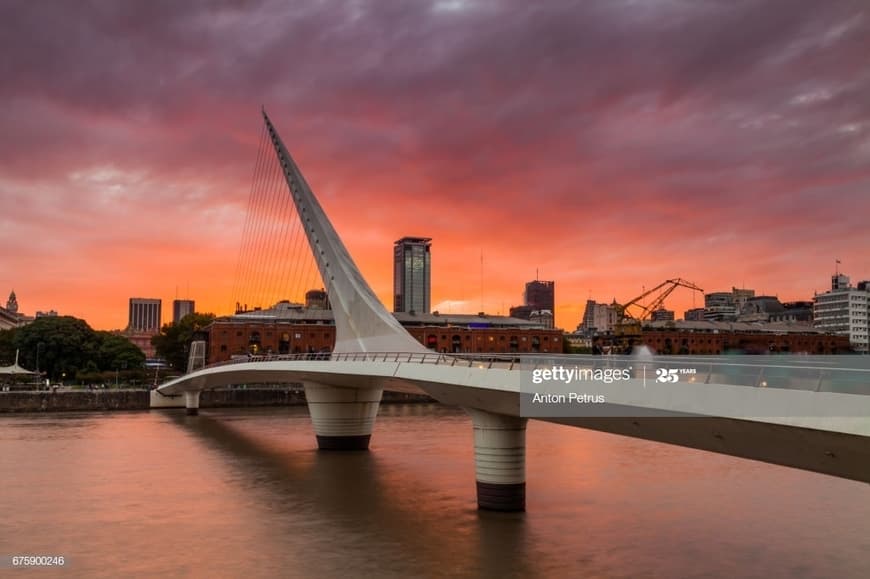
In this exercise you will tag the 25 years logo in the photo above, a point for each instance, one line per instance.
(667, 375)
(672, 375)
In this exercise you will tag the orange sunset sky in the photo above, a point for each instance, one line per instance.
(608, 145)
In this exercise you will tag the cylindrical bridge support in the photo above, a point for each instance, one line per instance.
(500, 460)
(343, 418)
(191, 402)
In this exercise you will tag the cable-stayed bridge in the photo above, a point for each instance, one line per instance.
(814, 417)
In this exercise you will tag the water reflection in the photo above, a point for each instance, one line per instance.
(244, 493)
(367, 506)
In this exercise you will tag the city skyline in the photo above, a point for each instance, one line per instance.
(613, 148)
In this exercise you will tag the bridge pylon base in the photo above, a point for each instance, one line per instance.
(191, 402)
(360, 442)
(499, 460)
(343, 418)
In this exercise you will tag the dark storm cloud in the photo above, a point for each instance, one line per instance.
(508, 76)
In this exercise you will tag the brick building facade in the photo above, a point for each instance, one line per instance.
(312, 331)
(682, 342)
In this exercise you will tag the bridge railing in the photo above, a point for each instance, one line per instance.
(843, 374)
(470, 360)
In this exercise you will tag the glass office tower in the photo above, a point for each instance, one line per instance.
(412, 275)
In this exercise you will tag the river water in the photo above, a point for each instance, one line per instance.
(244, 493)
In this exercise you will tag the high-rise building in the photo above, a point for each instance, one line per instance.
(145, 315)
(845, 310)
(181, 308)
(412, 281)
(538, 297)
(541, 295)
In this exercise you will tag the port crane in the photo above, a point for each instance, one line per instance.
(628, 321)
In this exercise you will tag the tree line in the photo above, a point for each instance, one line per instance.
(65, 347)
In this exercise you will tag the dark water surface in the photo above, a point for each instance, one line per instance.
(244, 493)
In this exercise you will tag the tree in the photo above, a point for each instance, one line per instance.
(7, 346)
(67, 346)
(118, 353)
(64, 345)
(173, 342)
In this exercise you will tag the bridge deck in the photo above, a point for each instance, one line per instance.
(824, 423)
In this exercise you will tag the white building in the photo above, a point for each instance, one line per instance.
(845, 310)
(600, 318)
(542, 317)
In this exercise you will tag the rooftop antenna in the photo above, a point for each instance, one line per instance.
(481, 280)
(837, 267)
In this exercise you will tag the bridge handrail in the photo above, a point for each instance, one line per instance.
(405, 357)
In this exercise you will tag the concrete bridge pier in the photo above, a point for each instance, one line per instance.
(343, 418)
(499, 460)
(191, 402)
